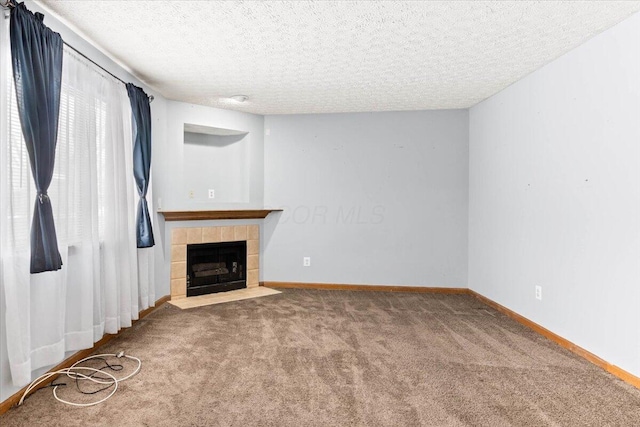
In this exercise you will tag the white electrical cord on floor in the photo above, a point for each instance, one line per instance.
(72, 372)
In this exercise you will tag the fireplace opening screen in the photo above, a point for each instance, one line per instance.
(216, 267)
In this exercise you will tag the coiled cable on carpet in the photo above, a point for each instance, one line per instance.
(73, 373)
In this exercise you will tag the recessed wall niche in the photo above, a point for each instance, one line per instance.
(216, 159)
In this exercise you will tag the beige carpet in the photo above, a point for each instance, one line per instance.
(222, 297)
(338, 358)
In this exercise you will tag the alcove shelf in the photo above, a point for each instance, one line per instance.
(209, 130)
(217, 214)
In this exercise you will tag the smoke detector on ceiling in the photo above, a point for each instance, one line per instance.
(239, 98)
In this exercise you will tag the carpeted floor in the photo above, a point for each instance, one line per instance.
(338, 358)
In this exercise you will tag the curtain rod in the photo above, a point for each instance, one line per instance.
(10, 5)
(151, 97)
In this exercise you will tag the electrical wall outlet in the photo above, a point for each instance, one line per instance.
(192, 194)
(539, 292)
(212, 193)
(306, 261)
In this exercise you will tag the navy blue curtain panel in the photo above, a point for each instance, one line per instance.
(141, 110)
(36, 56)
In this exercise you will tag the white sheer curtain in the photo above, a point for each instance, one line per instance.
(146, 268)
(105, 279)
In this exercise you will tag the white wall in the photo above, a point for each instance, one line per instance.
(372, 198)
(555, 196)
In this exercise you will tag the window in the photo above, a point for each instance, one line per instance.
(80, 171)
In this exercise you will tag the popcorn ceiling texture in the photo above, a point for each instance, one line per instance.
(320, 57)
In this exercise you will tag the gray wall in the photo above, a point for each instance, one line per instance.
(555, 196)
(372, 198)
(179, 176)
(221, 163)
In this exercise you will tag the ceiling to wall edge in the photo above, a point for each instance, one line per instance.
(119, 63)
(82, 35)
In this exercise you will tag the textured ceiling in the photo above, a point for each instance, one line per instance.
(316, 57)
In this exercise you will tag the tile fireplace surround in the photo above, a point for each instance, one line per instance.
(181, 237)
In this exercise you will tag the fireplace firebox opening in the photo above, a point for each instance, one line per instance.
(216, 267)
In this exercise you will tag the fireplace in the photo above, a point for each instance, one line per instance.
(181, 237)
(216, 267)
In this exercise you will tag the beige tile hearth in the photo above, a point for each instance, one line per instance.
(253, 232)
(227, 234)
(179, 236)
(211, 235)
(178, 253)
(179, 270)
(178, 288)
(240, 232)
(194, 235)
(222, 297)
(253, 262)
(253, 247)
